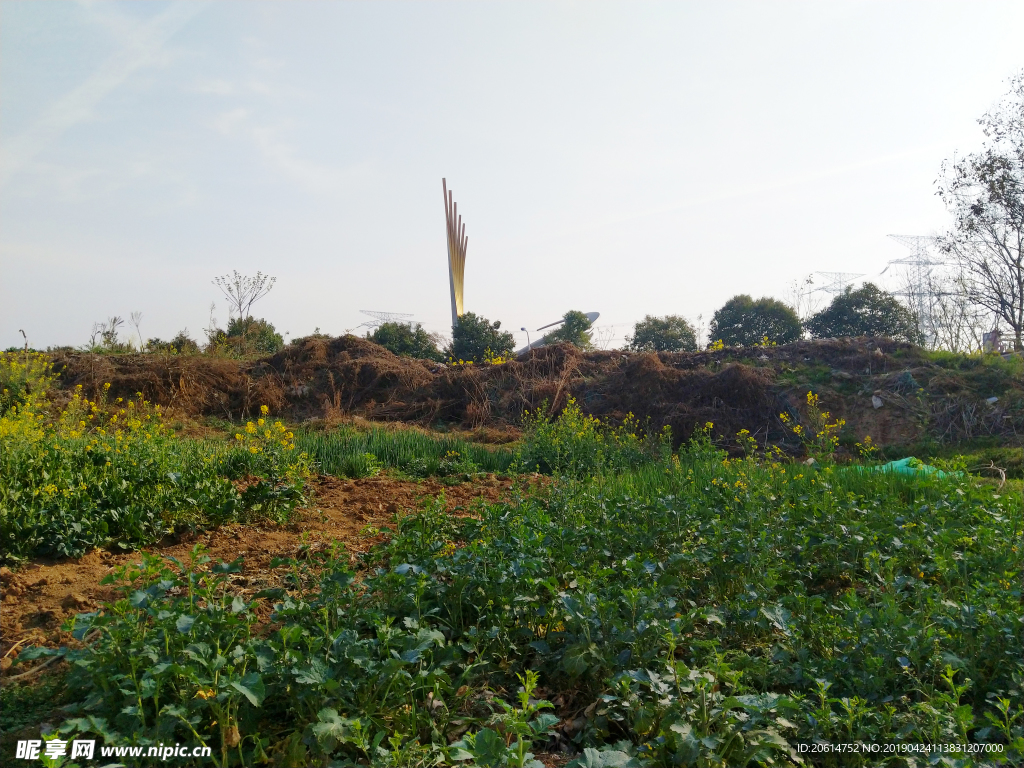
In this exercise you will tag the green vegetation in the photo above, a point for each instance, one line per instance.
(671, 333)
(684, 608)
(575, 330)
(476, 339)
(742, 320)
(582, 445)
(407, 340)
(97, 473)
(25, 706)
(181, 344)
(355, 453)
(867, 311)
(249, 336)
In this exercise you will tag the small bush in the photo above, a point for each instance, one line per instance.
(181, 344)
(249, 336)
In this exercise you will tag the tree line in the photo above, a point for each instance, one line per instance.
(741, 321)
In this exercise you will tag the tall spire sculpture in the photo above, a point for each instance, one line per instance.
(457, 242)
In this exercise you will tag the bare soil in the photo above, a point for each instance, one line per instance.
(41, 595)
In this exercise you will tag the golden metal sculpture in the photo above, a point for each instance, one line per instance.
(457, 243)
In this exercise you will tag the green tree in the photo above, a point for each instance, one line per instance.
(741, 320)
(575, 329)
(670, 333)
(867, 311)
(475, 336)
(407, 340)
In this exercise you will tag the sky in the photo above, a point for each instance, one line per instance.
(629, 158)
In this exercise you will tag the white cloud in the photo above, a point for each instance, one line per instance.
(215, 87)
(276, 151)
(228, 123)
(142, 47)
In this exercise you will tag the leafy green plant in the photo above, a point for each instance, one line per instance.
(25, 377)
(516, 730)
(578, 445)
(103, 473)
(820, 438)
(686, 609)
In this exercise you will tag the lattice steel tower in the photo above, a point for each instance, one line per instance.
(918, 290)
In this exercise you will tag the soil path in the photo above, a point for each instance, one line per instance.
(39, 597)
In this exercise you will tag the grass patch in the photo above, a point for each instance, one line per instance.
(349, 452)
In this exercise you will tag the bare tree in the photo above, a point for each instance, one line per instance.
(956, 322)
(243, 291)
(985, 193)
(803, 299)
(603, 335)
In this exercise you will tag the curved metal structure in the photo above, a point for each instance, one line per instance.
(457, 244)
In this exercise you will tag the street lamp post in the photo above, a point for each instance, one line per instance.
(527, 339)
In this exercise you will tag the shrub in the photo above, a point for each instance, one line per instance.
(246, 337)
(182, 344)
(407, 340)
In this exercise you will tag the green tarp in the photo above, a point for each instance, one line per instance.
(907, 466)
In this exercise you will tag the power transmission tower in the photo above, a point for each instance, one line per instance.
(835, 282)
(379, 318)
(917, 288)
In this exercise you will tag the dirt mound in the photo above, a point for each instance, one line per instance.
(741, 388)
